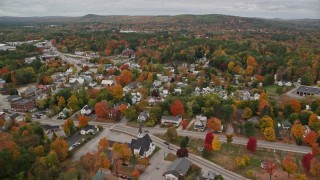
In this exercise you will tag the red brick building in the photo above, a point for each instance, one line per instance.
(23, 105)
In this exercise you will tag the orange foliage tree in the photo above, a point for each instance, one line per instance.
(177, 108)
(298, 130)
(313, 119)
(83, 121)
(296, 106)
(101, 109)
(310, 138)
(126, 77)
(103, 145)
(214, 124)
(117, 91)
(289, 165)
(60, 146)
(87, 161)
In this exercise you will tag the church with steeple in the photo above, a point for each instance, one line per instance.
(143, 145)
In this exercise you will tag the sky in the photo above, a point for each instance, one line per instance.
(284, 9)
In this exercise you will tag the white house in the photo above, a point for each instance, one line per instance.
(86, 110)
(64, 113)
(143, 145)
(143, 116)
(200, 123)
(108, 82)
(175, 120)
(280, 83)
(90, 129)
(157, 83)
(178, 90)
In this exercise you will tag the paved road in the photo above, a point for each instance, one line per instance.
(199, 161)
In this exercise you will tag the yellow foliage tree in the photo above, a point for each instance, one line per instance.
(289, 165)
(269, 134)
(298, 130)
(265, 122)
(216, 144)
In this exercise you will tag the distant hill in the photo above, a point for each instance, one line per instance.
(210, 19)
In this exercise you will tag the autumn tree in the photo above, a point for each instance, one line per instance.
(125, 151)
(66, 128)
(252, 145)
(126, 77)
(310, 138)
(229, 138)
(298, 130)
(117, 91)
(102, 109)
(306, 161)
(182, 152)
(87, 161)
(60, 146)
(83, 121)
(296, 106)
(61, 102)
(216, 144)
(313, 119)
(171, 134)
(131, 113)
(73, 103)
(315, 167)
(103, 145)
(184, 123)
(177, 108)
(289, 165)
(271, 167)
(247, 113)
(265, 122)
(209, 138)
(269, 134)
(102, 161)
(214, 124)
(135, 173)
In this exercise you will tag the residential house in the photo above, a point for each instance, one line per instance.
(76, 81)
(29, 92)
(143, 145)
(93, 84)
(2, 115)
(86, 110)
(108, 82)
(175, 120)
(157, 83)
(89, 129)
(23, 105)
(285, 124)
(13, 98)
(143, 116)
(177, 90)
(103, 174)
(131, 86)
(50, 128)
(135, 97)
(114, 111)
(128, 52)
(254, 120)
(200, 123)
(16, 117)
(208, 175)
(2, 82)
(64, 113)
(177, 169)
(308, 90)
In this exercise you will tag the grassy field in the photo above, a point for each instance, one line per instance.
(226, 155)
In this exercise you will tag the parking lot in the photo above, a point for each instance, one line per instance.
(92, 145)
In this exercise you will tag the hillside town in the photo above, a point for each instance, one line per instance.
(152, 105)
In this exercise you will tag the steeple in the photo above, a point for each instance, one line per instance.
(140, 135)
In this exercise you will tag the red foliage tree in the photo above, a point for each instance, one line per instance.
(184, 124)
(208, 147)
(101, 109)
(209, 138)
(177, 108)
(311, 138)
(252, 145)
(183, 152)
(136, 173)
(126, 77)
(271, 167)
(306, 161)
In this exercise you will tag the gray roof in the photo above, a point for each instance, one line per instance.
(170, 118)
(14, 116)
(48, 126)
(10, 98)
(144, 113)
(308, 90)
(23, 101)
(178, 166)
(30, 90)
(209, 175)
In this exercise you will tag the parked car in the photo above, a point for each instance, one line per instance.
(169, 147)
(166, 143)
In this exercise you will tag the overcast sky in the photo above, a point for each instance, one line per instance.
(286, 9)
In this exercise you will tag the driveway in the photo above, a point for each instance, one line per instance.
(92, 145)
(157, 166)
